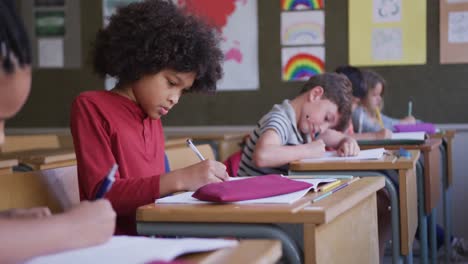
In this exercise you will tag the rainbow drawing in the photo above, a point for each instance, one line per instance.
(303, 33)
(302, 66)
(288, 5)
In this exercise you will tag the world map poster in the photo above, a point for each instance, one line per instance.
(237, 23)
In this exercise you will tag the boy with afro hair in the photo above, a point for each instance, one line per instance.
(157, 52)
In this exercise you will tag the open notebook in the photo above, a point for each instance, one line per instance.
(133, 250)
(368, 154)
(186, 197)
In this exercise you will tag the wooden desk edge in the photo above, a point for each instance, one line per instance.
(247, 251)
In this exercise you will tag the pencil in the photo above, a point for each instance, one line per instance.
(379, 117)
(330, 186)
(410, 108)
(194, 149)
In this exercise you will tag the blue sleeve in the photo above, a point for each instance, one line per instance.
(368, 125)
(166, 163)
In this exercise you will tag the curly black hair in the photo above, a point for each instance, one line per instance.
(146, 37)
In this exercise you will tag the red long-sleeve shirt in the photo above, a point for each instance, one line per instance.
(108, 128)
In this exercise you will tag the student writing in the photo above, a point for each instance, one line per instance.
(371, 105)
(157, 52)
(359, 93)
(283, 134)
(25, 233)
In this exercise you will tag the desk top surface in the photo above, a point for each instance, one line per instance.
(8, 162)
(386, 163)
(302, 211)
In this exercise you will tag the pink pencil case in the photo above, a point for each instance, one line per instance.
(248, 189)
(418, 127)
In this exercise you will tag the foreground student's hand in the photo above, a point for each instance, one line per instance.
(202, 173)
(316, 149)
(36, 212)
(408, 120)
(92, 223)
(384, 134)
(348, 147)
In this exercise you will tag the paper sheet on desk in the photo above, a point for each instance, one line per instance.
(133, 250)
(368, 154)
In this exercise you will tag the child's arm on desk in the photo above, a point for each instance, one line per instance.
(192, 177)
(344, 145)
(88, 224)
(270, 152)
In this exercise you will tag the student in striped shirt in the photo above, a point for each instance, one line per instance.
(302, 127)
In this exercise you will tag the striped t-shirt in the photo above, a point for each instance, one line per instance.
(282, 119)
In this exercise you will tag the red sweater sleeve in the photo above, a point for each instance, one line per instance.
(96, 152)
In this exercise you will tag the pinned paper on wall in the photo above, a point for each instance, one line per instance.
(458, 27)
(387, 32)
(453, 31)
(387, 11)
(387, 44)
(299, 64)
(289, 5)
(303, 28)
(50, 52)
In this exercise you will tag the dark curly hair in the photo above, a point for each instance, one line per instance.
(337, 89)
(146, 37)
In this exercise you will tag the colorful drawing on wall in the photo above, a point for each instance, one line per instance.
(289, 5)
(302, 28)
(298, 64)
(387, 11)
(236, 21)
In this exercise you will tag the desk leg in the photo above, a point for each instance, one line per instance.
(446, 209)
(433, 236)
(290, 250)
(422, 216)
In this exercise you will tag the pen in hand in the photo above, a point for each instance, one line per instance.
(195, 150)
(107, 183)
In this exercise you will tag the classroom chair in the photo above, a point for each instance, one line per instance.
(54, 188)
(181, 157)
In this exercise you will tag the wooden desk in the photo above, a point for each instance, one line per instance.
(326, 223)
(431, 155)
(407, 192)
(6, 165)
(248, 252)
(447, 136)
(41, 159)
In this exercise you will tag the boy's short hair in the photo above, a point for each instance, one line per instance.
(337, 89)
(355, 76)
(371, 79)
(14, 42)
(146, 37)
